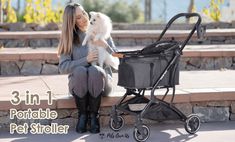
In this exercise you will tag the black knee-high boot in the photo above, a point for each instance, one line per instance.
(82, 104)
(94, 105)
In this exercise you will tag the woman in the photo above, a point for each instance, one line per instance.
(86, 83)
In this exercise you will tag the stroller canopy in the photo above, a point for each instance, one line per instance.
(160, 47)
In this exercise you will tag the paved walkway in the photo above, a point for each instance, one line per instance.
(218, 84)
(162, 132)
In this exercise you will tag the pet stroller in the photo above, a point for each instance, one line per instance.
(154, 67)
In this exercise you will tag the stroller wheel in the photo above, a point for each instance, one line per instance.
(141, 135)
(192, 124)
(116, 126)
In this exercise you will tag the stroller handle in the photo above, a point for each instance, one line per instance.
(197, 26)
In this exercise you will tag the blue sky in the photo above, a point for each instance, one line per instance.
(176, 6)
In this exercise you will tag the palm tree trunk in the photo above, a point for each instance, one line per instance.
(148, 10)
(190, 8)
(1, 13)
(18, 6)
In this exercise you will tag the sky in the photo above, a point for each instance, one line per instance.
(176, 6)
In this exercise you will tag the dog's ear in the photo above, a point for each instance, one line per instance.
(98, 14)
(92, 13)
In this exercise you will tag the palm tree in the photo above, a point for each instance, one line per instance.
(148, 10)
(18, 6)
(190, 8)
(0, 11)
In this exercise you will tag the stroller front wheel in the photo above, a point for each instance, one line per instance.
(192, 124)
(141, 134)
(116, 125)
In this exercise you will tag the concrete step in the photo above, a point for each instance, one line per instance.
(194, 86)
(121, 37)
(47, 53)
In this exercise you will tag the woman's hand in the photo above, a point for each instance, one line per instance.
(92, 56)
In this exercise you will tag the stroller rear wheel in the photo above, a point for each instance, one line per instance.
(116, 125)
(192, 124)
(141, 134)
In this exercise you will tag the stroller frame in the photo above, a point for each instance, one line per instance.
(141, 131)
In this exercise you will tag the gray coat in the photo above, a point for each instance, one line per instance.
(84, 78)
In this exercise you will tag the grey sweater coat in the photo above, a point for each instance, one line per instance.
(84, 78)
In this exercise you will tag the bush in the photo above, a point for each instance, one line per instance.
(8, 11)
(118, 11)
(40, 11)
(213, 11)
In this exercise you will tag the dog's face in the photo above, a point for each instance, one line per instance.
(100, 24)
(96, 18)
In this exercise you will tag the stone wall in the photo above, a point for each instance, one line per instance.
(215, 40)
(119, 41)
(33, 67)
(213, 63)
(20, 26)
(53, 43)
(32, 43)
(152, 26)
(37, 67)
(208, 112)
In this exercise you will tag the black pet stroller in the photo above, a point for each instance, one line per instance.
(154, 67)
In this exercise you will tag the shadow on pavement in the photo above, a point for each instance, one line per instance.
(160, 132)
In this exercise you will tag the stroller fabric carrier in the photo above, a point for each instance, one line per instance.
(144, 68)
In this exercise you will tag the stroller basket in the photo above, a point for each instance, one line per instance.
(141, 69)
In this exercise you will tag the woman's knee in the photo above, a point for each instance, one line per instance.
(78, 81)
(80, 72)
(96, 80)
(96, 71)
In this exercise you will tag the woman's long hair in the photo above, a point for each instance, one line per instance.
(68, 28)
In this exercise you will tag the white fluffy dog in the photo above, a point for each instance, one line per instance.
(100, 28)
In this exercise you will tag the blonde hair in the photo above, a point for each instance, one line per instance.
(67, 32)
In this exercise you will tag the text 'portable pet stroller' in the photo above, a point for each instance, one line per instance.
(154, 67)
